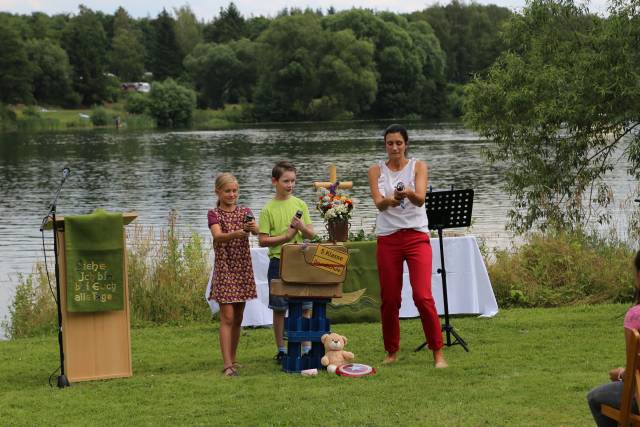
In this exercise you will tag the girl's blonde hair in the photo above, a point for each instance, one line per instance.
(223, 179)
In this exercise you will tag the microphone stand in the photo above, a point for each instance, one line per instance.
(62, 378)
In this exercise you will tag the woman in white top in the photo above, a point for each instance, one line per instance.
(398, 188)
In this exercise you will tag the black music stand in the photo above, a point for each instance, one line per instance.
(448, 209)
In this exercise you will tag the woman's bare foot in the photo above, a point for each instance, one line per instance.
(390, 358)
(439, 360)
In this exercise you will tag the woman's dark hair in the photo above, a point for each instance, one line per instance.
(396, 128)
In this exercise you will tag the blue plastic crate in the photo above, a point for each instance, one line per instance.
(299, 329)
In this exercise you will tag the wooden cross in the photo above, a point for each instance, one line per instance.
(333, 177)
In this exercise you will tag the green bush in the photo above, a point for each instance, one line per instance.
(237, 113)
(100, 116)
(222, 118)
(204, 120)
(455, 99)
(324, 108)
(31, 111)
(137, 103)
(412, 117)
(33, 310)
(7, 113)
(171, 104)
(140, 121)
(559, 269)
(8, 117)
(112, 88)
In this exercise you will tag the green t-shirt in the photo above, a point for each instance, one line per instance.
(276, 216)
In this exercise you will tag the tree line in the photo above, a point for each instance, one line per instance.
(299, 65)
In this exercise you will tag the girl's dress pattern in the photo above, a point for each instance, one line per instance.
(233, 279)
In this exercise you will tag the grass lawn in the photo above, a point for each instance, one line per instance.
(528, 367)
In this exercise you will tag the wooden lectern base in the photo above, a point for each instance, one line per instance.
(96, 345)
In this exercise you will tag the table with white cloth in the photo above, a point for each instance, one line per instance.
(469, 289)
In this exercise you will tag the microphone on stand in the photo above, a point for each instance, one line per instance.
(51, 215)
(52, 206)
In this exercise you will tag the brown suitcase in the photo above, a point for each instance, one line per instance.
(313, 264)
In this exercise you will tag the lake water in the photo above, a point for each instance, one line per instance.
(154, 172)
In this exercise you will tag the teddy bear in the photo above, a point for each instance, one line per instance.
(334, 354)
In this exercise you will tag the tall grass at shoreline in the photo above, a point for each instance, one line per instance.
(562, 269)
(168, 273)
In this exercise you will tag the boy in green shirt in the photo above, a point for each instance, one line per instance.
(284, 219)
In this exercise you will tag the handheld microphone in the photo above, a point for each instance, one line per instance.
(66, 172)
(400, 187)
(298, 215)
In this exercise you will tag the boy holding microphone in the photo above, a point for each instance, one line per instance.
(284, 219)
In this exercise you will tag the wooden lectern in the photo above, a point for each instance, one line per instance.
(96, 345)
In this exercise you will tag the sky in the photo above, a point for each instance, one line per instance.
(208, 9)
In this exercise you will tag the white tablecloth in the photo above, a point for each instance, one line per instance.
(468, 287)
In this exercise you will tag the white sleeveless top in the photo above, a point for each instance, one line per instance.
(397, 218)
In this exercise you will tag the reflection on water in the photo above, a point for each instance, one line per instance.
(154, 172)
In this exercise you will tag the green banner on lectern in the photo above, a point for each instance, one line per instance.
(94, 247)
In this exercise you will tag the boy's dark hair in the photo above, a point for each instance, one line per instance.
(282, 167)
(396, 128)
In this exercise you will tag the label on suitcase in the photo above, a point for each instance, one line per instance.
(313, 263)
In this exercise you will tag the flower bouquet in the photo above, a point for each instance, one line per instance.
(335, 208)
(334, 204)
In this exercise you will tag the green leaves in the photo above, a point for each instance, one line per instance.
(85, 42)
(126, 58)
(15, 69)
(171, 104)
(309, 72)
(214, 68)
(556, 106)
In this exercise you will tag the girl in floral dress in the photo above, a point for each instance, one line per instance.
(233, 281)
